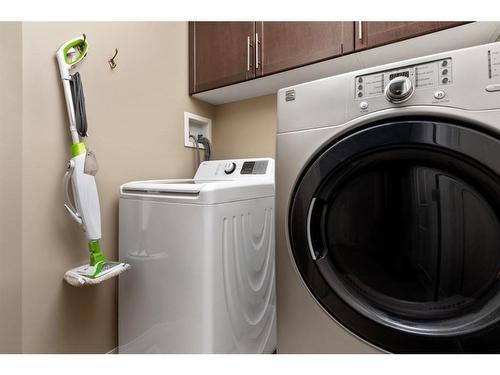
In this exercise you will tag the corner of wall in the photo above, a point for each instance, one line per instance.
(10, 187)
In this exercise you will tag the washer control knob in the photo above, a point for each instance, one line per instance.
(439, 94)
(399, 89)
(229, 167)
(363, 105)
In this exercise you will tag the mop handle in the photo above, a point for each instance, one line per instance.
(64, 68)
(75, 138)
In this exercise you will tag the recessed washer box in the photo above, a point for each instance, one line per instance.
(196, 125)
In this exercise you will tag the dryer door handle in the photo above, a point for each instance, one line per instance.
(313, 228)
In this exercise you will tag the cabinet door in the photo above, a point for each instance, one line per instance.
(372, 34)
(220, 54)
(287, 45)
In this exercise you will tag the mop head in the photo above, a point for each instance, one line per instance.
(86, 275)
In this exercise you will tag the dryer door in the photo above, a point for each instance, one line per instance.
(401, 222)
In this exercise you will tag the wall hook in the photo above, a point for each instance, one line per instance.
(111, 61)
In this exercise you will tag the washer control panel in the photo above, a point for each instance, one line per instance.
(254, 167)
(437, 74)
(235, 169)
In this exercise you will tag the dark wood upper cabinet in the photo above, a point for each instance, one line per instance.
(371, 34)
(286, 45)
(221, 53)
(224, 53)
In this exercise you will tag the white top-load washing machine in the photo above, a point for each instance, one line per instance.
(202, 257)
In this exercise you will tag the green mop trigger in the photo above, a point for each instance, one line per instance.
(97, 258)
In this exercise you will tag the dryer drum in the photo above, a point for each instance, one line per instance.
(401, 221)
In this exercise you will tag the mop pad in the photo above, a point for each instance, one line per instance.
(86, 275)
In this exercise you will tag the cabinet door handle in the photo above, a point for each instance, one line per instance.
(257, 45)
(360, 30)
(249, 45)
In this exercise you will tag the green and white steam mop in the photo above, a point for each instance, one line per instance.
(81, 172)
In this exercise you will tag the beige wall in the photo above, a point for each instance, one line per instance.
(245, 129)
(135, 116)
(10, 187)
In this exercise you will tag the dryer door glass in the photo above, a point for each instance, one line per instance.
(401, 220)
(414, 237)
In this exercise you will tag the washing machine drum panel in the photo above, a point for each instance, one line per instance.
(395, 230)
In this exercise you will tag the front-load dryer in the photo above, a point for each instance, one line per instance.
(388, 207)
(202, 256)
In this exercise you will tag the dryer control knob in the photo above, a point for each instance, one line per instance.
(229, 167)
(399, 89)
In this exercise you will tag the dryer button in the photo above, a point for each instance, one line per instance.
(439, 94)
(363, 105)
(492, 88)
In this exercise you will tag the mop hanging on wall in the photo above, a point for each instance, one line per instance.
(81, 172)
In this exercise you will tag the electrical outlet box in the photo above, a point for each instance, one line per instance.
(196, 125)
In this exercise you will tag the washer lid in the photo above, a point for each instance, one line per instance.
(160, 187)
(199, 192)
(214, 182)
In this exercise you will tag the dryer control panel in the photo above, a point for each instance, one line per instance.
(431, 74)
(465, 79)
(494, 63)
